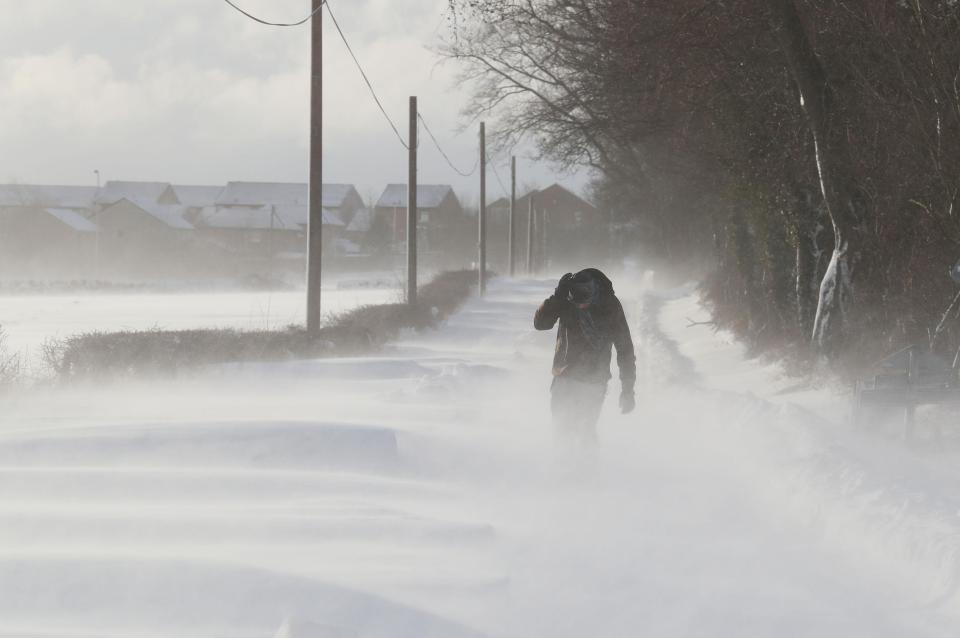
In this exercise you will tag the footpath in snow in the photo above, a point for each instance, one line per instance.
(422, 493)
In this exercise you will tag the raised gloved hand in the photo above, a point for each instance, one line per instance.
(627, 402)
(563, 287)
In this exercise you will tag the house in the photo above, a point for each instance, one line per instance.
(571, 226)
(438, 213)
(44, 231)
(144, 238)
(283, 208)
(40, 242)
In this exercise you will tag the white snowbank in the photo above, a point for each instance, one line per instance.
(423, 493)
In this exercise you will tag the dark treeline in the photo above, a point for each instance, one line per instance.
(804, 153)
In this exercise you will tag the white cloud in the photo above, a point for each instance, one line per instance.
(194, 92)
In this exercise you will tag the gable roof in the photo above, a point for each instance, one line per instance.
(428, 195)
(47, 195)
(196, 196)
(335, 195)
(553, 195)
(282, 194)
(115, 190)
(73, 219)
(556, 190)
(170, 214)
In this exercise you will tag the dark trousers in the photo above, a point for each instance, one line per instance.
(576, 407)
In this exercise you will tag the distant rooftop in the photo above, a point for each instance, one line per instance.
(280, 194)
(115, 190)
(47, 195)
(170, 214)
(73, 219)
(262, 217)
(428, 195)
(197, 196)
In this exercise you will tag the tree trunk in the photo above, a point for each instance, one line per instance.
(836, 289)
(809, 257)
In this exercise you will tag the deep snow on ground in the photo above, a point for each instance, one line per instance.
(423, 493)
(30, 320)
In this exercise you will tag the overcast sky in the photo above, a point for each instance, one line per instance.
(190, 91)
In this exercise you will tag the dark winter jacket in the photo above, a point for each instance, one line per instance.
(583, 356)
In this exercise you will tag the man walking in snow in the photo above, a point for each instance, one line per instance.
(591, 322)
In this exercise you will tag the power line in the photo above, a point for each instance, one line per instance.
(277, 24)
(444, 154)
(364, 76)
(496, 174)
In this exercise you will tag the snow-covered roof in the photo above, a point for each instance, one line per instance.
(281, 194)
(73, 219)
(236, 218)
(47, 195)
(362, 221)
(428, 195)
(335, 195)
(261, 193)
(259, 218)
(197, 196)
(170, 214)
(115, 190)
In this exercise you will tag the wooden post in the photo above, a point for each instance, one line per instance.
(512, 240)
(542, 263)
(482, 213)
(412, 213)
(531, 228)
(315, 222)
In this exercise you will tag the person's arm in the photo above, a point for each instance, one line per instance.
(626, 358)
(549, 311)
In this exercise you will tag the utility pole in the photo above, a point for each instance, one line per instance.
(270, 248)
(542, 227)
(315, 223)
(512, 240)
(482, 213)
(531, 228)
(412, 213)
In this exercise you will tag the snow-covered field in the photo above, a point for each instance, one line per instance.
(29, 320)
(422, 493)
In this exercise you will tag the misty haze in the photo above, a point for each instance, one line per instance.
(479, 319)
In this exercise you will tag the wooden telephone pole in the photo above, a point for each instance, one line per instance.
(315, 223)
(412, 212)
(482, 213)
(512, 237)
(531, 229)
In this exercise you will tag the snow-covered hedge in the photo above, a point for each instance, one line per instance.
(99, 354)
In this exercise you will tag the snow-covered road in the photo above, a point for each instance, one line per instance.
(422, 493)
